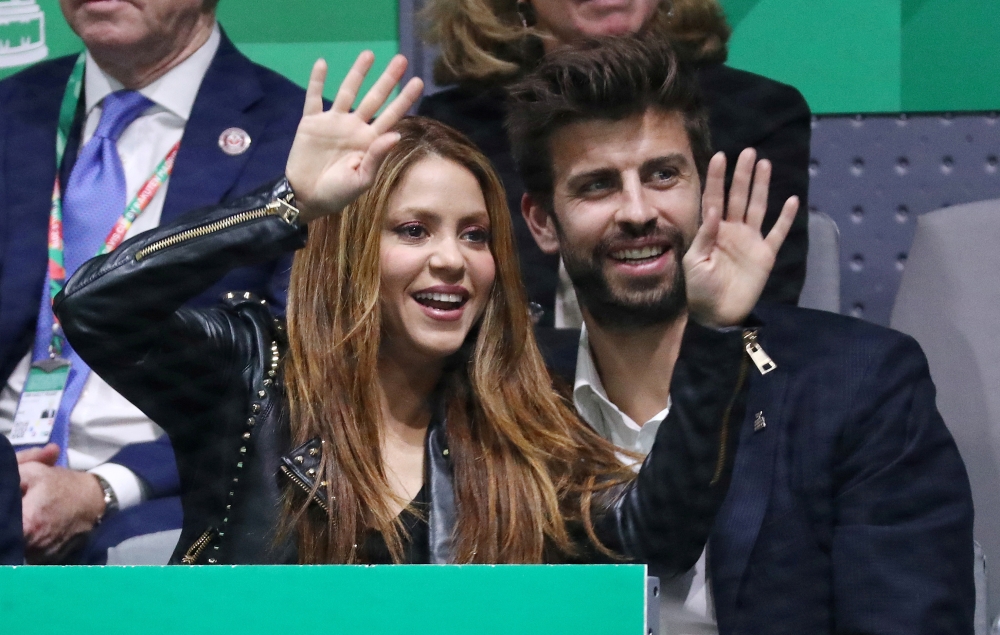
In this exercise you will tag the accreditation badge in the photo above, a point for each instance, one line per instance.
(39, 403)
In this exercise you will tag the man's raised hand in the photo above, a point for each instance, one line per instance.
(336, 152)
(729, 260)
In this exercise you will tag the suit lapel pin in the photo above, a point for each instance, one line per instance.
(759, 423)
(234, 141)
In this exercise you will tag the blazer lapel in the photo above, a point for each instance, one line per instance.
(29, 158)
(204, 174)
(740, 517)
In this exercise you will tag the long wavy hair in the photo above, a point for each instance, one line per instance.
(485, 41)
(524, 464)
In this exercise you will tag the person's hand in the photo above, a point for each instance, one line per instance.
(57, 504)
(729, 260)
(336, 152)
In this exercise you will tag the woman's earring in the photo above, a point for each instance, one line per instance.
(527, 14)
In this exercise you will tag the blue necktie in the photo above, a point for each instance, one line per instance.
(93, 199)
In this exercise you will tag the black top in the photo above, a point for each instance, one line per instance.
(415, 539)
(745, 110)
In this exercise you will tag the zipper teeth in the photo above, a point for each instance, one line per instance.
(308, 490)
(724, 436)
(204, 230)
(195, 551)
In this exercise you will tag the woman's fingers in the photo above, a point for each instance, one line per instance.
(739, 191)
(758, 196)
(399, 106)
(349, 88)
(715, 183)
(314, 91)
(381, 89)
(784, 223)
(375, 155)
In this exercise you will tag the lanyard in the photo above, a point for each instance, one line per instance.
(57, 269)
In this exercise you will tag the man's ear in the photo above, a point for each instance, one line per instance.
(541, 223)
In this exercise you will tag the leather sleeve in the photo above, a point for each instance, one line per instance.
(902, 544)
(663, 517)
(123, 314)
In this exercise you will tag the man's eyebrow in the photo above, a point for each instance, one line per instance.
(675, 159)
(591, 175)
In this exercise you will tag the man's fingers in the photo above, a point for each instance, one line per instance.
(314, 90)
(784, 223)
(399, 106)
(48, 455)
(715, 183)
(349, 88)
(739, 192)
(704, 240)
(382, 88)
(758, 196)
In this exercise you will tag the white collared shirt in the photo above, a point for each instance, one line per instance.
(692, 614)
(103, 422)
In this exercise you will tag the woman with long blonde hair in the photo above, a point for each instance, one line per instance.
(404, 414)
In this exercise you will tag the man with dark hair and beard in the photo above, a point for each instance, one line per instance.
(849, 509)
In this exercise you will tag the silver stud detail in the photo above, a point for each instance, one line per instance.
(212, 561)
(230, 296)
(759, 423)
(243, 449)
(311, 472)
(246, 295)
(255, 408)
(246, 435)
(313, 451)
(445, 452)
(299, 460)
(251, 422)
(261, 394)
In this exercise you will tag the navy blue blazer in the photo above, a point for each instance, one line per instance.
(11, 535)
(234, 93)
(850, 511)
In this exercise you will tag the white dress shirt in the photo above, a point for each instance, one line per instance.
(103, 422)
(688, 614)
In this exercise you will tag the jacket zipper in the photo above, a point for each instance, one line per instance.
(281, 207)
(763, 361)
(195, 550)
(308, 490)
(724, 435)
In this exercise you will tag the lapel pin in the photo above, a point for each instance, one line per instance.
(234, 141)
(759, 423)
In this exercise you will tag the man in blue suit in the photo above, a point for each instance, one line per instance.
(229, 125)
(849, 509)
(11, 537)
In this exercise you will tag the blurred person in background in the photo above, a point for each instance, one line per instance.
(487, 44)
(160, 115)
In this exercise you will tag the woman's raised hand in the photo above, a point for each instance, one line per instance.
(337, 152)
(730, 260)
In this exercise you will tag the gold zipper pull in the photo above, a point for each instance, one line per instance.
(196, 549)
(285, 210)
(761, 359)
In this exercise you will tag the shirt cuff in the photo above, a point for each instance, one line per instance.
(126, 485)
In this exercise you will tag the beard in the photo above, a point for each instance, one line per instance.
(633, 305)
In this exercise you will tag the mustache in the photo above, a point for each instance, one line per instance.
(659, 234)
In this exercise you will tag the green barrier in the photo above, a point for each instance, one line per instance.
(251, 600)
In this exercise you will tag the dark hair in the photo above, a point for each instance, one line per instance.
(209, 5)
(605, 78)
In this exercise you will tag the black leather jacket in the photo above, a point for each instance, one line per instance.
(212, 379)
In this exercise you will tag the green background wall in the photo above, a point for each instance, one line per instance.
(845, 56)
(874, 55)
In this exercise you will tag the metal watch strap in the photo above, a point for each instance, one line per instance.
(110, 498)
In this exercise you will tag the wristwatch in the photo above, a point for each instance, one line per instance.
(110, 498)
